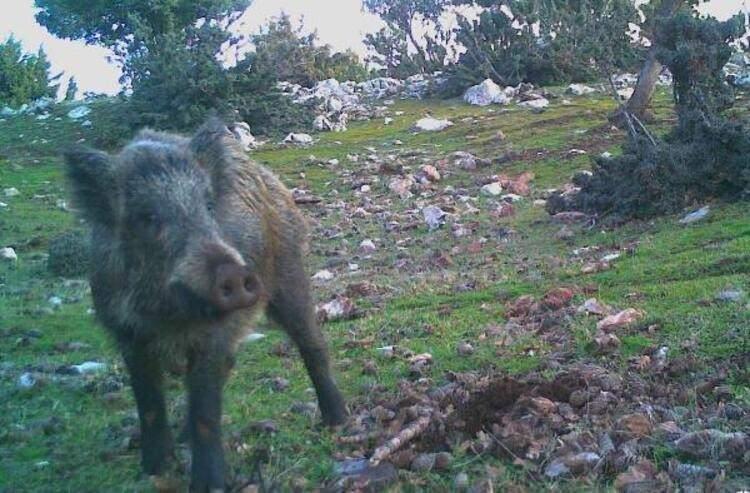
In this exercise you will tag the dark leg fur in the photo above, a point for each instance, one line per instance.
(292, 308)
(208, 368)
(146, 379)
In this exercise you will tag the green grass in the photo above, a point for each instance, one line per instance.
(675, 272)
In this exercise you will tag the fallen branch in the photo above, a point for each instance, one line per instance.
(415, 428)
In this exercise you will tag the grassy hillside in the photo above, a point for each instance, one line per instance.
(422, 291)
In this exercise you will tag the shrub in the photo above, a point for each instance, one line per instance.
(544, 42)
(704, 157)
(24, 77)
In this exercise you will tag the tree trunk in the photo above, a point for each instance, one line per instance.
(644, 88)
(649, 76)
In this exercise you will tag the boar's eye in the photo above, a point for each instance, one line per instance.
(210, 206)
(149, 219)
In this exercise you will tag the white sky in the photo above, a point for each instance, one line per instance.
(340, 23)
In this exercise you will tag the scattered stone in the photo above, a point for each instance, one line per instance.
(402, 186)
(485, 94)
(79, 112)
(461, 481)
(714, 444)
(323, 275)
(593, 306)
(254, 336)
(580, 90)
(492, 189)
(535, 104)
(11, 192)
(339, 308)
(696, 216)
(731, 295)
(570, 217)
(465, 349)
(300, 139)
(430, 124)
(88, 367)
(621, 319)
(430, 173)
(26, 381)
(367, 247)
(465, 160)
(433, 216)
(8, 254)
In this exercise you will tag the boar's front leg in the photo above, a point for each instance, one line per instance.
(146, 378)
(292, 308)
(208, 369)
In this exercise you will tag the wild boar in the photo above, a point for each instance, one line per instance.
(190, 241)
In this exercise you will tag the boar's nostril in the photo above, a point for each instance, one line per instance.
(226, 290)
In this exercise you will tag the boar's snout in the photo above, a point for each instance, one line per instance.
(235, 287)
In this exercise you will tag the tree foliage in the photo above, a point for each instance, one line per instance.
(171, 53)
(24, 77)
(544, 41)
(704, 157)
(285, 51)
(413, 40)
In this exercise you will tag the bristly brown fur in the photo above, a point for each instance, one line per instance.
(170, 216)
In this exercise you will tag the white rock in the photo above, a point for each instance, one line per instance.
(302, 139)
(535, 104)
(695, 216)
(580, 90)
(55, 301)
(367, 247)
(79, 112)
(86, 123)
(430, 124)
(8, 254)
(11, 192)
(3, 205)
(625, 94)
(323, 275)
(88, 367)
(512, 197)
(485, 94)
(492, 189)
(388, 120)
(241, 131)
(26, 381)
(322, 124)
(433, 216)
(253, 337)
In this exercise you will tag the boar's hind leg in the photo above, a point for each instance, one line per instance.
(208, 369)
(291, 306)
(146, 380)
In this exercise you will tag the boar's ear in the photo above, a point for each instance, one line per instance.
(215, 146)
(91, 177)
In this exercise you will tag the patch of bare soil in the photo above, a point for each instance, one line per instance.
(659, 424)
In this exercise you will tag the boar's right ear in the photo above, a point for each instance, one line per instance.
(91, 177)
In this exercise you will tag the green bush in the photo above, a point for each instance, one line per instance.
(704, 157)
(545, 41)
(24, 77)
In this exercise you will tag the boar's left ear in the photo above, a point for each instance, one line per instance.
(91, 177)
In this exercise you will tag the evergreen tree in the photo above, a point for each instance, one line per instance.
(24, 77)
